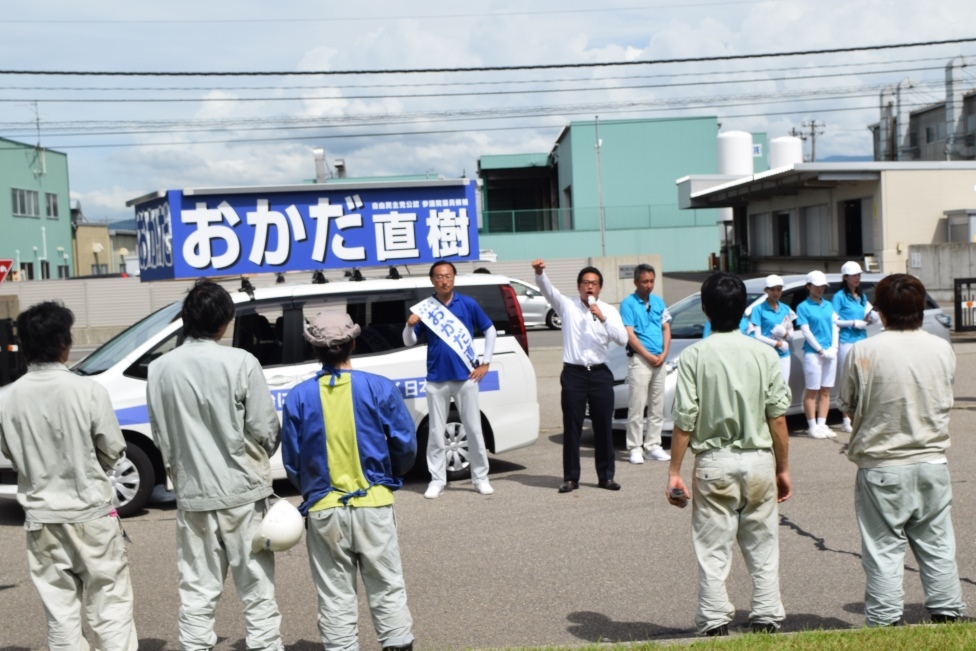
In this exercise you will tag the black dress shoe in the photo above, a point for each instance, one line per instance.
(568, 486)
(944, 619)
(718, 631)
(764, 628)
(405, 647)
(609, 484)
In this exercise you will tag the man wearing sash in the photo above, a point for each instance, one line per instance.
(447, 322)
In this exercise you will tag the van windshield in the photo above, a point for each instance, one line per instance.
(110, 353)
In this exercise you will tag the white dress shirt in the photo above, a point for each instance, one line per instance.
(586, 340)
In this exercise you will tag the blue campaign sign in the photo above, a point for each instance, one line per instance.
(230, 231)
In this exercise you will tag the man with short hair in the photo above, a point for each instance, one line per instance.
(897, 387)
(729, 407)
(647, 320)
(215, 424)
(346, 442)
(589, 325)
(449, 376)
(61, 435)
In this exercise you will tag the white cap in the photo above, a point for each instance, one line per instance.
(850, 268)
(773, 281)
(817, 279)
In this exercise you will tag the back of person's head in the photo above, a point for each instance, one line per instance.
(588, 270)
(206, 309)
(333, 337)
(724, 301)
(44, 331)
(900, 298)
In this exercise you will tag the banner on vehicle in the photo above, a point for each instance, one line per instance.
(193, 233)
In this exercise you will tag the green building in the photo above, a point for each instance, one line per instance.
(35, 215)
(549, 205)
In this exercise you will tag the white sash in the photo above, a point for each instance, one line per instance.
(445, 325)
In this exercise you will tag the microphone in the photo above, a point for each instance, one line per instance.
(591, 299)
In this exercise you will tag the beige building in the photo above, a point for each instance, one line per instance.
(93, 250)
(819, 215)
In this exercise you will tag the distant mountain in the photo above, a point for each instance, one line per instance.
(847, 159)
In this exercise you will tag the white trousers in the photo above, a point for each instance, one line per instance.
(207, 544)
(785, 365)
(734, 501)
(818, 372)
(341, 540)
(83, 565)
(646, 385)
(465, 394)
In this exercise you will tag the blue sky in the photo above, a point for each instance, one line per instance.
(127, 136)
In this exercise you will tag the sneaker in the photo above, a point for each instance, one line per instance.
(636, 456)
(827, 432)
(434, 490)
(846, 427)
(764, 628)
(942, 618)
(657, 453)
(483, 487)
(816, 432)
(718, 631)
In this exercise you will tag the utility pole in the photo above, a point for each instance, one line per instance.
(599, 185)
(813, 125)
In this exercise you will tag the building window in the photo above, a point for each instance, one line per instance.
(63, 271)
(52, 205)
(99, 269)
(27, 271)
(24, 203)
(929, 135)
(913, 139)
(45, 270)
(971, 123)
(761, 235)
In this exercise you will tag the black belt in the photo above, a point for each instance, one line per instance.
(586, 367)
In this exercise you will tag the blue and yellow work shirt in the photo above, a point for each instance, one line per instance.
(346, 440)
(849, 308)
(765, 318)
(647, 319)
(820, 318)
(443, 364)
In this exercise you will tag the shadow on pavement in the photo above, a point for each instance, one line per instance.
(597, 627)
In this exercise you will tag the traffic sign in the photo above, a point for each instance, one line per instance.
(5, 267)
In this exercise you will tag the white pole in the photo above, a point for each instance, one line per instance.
(599, 186)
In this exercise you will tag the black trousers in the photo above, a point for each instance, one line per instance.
(579, 387)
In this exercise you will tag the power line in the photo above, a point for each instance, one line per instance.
(551, 66)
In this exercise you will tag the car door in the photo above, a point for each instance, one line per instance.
(534, 306)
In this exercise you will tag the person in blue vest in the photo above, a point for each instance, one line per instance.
(347, 440)
(854, 313)
(772, 323)
(448, 377)
(818, 321)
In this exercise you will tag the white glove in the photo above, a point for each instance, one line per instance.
(779, 331)
(859, 324)
(830, 353)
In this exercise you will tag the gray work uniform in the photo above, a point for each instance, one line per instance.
(60, 433)
(215, 423)
(897, 387)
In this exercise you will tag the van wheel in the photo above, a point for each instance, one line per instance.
(132, 480)
(456, 447)
(553, 322)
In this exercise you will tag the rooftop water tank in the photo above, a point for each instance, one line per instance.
(785, 151)
(735, 153)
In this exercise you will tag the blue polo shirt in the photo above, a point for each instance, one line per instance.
(647, 320)
(820, 318)
(765, 318)
(443, 364)
(849, 308)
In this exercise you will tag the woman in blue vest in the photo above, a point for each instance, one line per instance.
(818, 321)
(854, 312)
(772, 323)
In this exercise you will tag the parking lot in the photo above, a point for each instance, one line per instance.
(527, 566)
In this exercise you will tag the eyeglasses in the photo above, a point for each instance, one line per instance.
(444, 277)
(590, 283)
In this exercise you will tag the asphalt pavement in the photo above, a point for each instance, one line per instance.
(528, 566)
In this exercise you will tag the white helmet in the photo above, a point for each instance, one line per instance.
(281, 528)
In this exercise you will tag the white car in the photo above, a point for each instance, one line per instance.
(269, 323)
(688, 324)
(535, 308)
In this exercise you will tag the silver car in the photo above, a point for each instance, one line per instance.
(536, 310)
(688, 323)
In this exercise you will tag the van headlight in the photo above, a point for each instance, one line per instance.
(671, 366)
(944, 319)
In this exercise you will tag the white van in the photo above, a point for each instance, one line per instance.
(269, 324)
